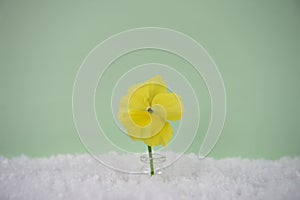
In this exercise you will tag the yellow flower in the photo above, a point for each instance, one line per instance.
(145, 110)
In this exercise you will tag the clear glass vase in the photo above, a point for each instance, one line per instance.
(158, 160)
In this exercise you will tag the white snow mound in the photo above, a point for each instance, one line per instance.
(82, 177)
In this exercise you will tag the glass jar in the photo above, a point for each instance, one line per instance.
(158, 160)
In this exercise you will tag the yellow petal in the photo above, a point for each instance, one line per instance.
(162, 138)
(142, 94)
(137, 123)
(140, 117)
(158, 119)
(172, 104)
(156, 86)
(139, 98)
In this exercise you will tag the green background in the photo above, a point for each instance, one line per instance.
(255, 44)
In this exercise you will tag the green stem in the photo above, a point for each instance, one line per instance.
(151, 160)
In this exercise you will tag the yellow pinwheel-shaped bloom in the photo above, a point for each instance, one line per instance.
(145, 110)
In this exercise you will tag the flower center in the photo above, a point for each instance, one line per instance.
(150, 110)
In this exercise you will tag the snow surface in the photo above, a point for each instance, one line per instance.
(81, 177)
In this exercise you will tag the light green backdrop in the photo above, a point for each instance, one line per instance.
(255, 44)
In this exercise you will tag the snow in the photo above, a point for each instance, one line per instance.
(81, 177)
